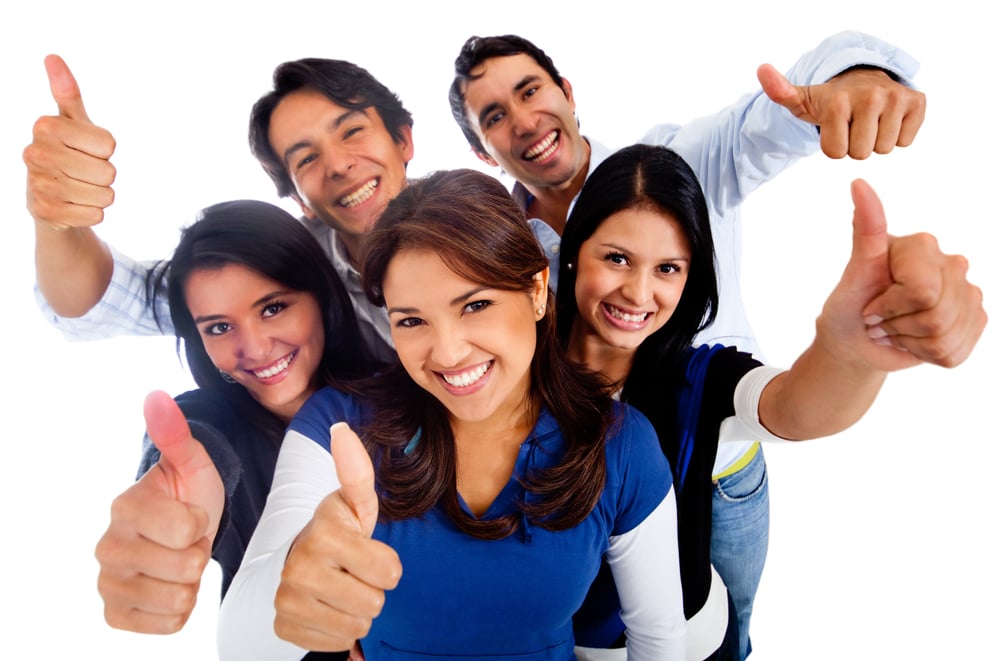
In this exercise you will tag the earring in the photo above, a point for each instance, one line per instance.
(541, 310)
(226, 377)
(570, 266)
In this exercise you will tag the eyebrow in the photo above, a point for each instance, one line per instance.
(258, 303)
(337, 123)
(613, 246)
(461, 298)
(520, 85)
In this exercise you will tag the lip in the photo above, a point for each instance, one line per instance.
(621, 323)
(481, 373)
(360, 194)
(543, 150)
(284, 363)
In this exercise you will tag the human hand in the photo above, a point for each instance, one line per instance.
(335, 576)
(69, 171)
(155, 550)
(901, 301)
(858, 111)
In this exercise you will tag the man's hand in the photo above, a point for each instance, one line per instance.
(69, 171)
(335, 575)
(859, 111)
(160, 538)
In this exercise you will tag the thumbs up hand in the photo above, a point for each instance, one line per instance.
(335, 576)
(69, 171)
(901, 300)
(858, 111)
(155, 550)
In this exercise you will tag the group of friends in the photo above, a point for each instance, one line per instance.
(439, 419)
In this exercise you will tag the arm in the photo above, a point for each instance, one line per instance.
(68, 186)
(158, 543)
(900, 302)
(749, 143)
(312, 572)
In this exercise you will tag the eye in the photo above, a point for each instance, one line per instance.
(493, 119)
(409, 322)
(354, 130)
(530, 92)
(218, 328)
(306, 160)
(272, 308)
(476, 306)
(617, 258)
(670, 267)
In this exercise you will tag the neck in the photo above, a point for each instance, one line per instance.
(590, 350)
(352, 247)
(551, 203)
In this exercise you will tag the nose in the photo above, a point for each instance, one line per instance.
(449, 348)
(523, 120)
(337, 162)
(638, 289)
(255, 344)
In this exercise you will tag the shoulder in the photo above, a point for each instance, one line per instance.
(326, 406)
(631, 439)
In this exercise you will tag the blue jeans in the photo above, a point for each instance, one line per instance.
(740, 520)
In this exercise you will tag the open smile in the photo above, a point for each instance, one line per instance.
(542, 149)
(467, 380)
(360, 195)
(274, 369)
(626, 320)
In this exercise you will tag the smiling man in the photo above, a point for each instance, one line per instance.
(853, 97)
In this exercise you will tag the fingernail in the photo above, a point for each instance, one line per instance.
(876, 332)
(885, 342)
(873, 320)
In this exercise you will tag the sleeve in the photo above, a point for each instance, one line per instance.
(125, 308)
(752, 141)
(303, 476)
(646, 569)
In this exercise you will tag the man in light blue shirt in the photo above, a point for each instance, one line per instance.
(518, 113)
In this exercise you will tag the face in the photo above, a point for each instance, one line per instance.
(344, 163)
(630, 275)
(262, 334)
(526, 122)
(468, 345)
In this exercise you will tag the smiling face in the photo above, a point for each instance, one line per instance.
(526, 122)
(468, 345)
(344, 163)
(268, 338)
(631, 273)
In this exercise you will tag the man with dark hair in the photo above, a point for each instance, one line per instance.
(517, 112)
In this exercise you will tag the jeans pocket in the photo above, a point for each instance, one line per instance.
(746, 483)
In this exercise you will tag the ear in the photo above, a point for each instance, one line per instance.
(568, 91)
(405, 143)
(485, 158)
(540, 292)
(306, 210)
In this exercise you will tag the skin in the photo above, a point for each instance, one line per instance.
(835, 380)
(335, 576)
(159, 541)
(266, 337)
(858, 112)
(334, 157)
(635, 264)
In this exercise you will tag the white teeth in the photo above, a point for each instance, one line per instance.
(543, 149)
(624, 316)
(277, 368)
(466, 379)
(360, 195)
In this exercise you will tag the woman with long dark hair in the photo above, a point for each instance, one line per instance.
(264, 322)
(501, 472)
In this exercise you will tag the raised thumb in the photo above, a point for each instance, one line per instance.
(356, 475)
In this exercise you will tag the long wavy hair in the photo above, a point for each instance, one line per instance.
(471, 222)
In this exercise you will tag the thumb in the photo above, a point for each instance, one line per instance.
(782, 92)
(356, 475)
(169, 431)
(871, 237)
(64, 89)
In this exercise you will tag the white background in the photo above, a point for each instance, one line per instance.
(882, 539)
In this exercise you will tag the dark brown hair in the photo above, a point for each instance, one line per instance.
(470, 220)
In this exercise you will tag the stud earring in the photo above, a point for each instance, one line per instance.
(541, 310)
(570, 266)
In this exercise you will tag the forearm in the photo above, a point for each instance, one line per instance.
(73, 268)
(822, 394)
